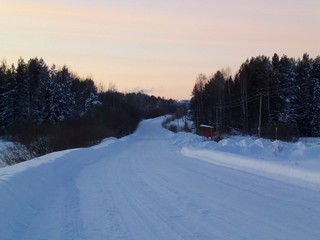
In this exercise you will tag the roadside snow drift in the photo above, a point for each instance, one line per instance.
(158, 185)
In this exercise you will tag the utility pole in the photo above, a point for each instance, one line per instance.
(197, 124)
(217, 121)
(259, 128)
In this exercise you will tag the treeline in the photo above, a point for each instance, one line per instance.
(275, 98)
(49, 108)
(33, 91)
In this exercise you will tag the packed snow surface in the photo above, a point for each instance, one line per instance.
(155, 184)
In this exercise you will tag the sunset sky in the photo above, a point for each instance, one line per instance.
(156, 46)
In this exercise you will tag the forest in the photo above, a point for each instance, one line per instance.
(277, 98)
(49, 109)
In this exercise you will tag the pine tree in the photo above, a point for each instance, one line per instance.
(91, 97)
(305, 94)
(38, 78)
(197, 104)
(23, 90)
(215, 100)
(255, 78)
(315, 116)
(85, 96)
(3, 80)
(63, 97)
(287, 91)
(9, 109)
(11, 112)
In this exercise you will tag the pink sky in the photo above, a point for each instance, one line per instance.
(158, 46)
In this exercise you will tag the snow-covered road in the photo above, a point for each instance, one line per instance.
(141, 187)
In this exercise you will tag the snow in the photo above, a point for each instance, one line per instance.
(297, 163)
(155, 184)
(178, 123)
(3, 147)
(206, 126)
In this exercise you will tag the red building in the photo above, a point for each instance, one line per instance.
(206, 131)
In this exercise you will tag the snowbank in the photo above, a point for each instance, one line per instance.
(10, 171)
(297, 163)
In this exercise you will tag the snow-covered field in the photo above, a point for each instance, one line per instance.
(155, 184)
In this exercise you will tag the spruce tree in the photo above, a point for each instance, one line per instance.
(287, 91)
(305, 94)
(315, 116)
(23, 90)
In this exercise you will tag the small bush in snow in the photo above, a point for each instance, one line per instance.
(15, 153)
